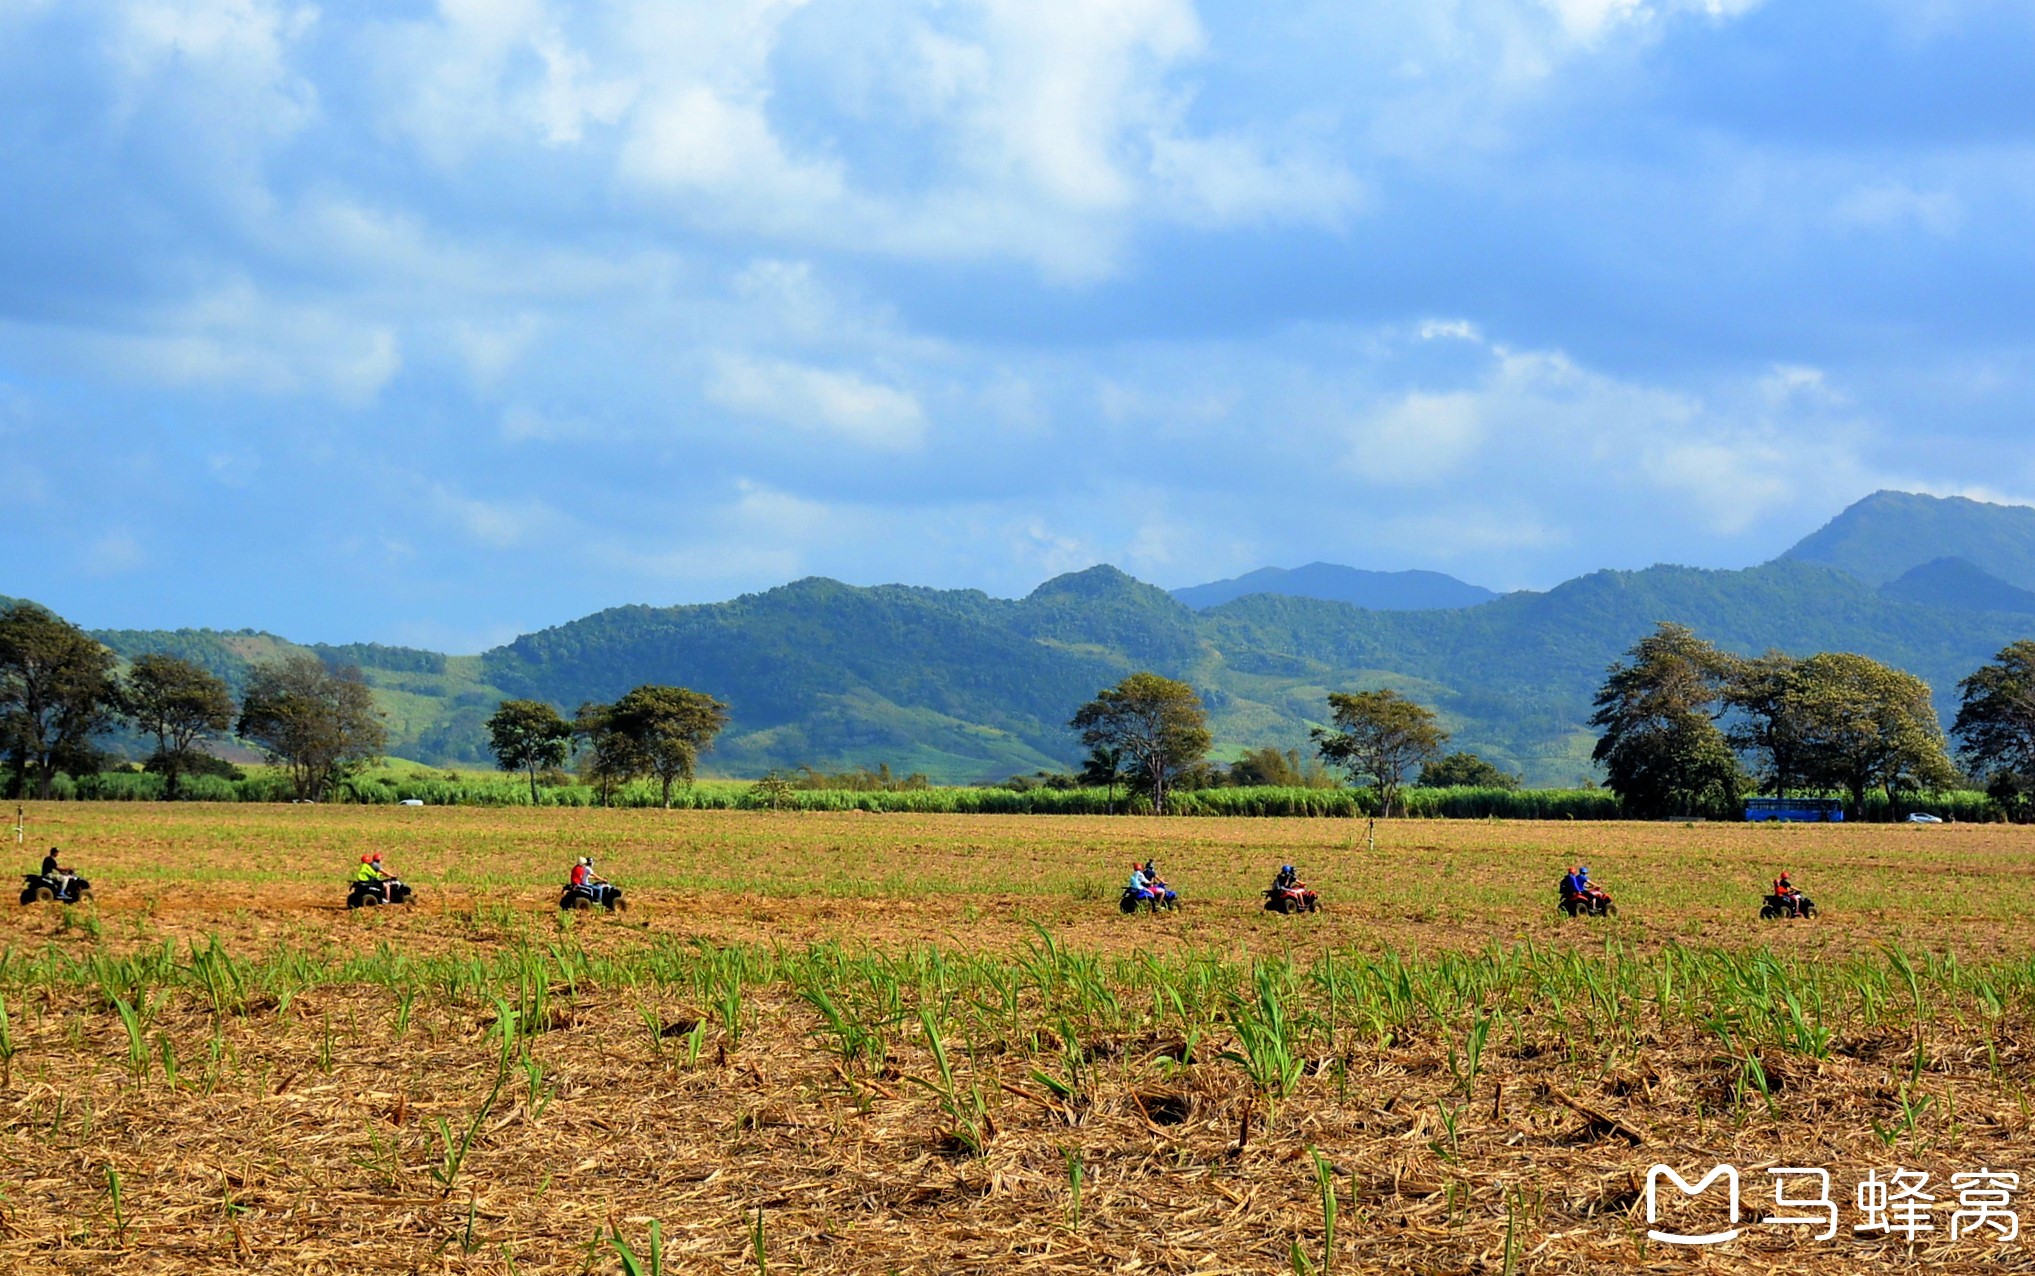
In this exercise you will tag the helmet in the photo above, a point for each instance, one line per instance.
(376, 857)
(369, 858)
(1784, 877)
(1582, 870)
(585, 862)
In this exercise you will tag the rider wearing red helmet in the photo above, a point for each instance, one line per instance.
(371, 871)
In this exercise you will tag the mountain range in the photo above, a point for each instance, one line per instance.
(965, 687)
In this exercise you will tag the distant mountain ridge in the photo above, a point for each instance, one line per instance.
(1375, 591)
(964, 686)
(1960, 583)
(1889, 533)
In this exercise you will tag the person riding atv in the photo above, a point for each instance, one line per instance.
(587, 889)
(1579, 895)
(1146, 887)
(1786, 901)
(54, 882)
(1288, 894)
(372, 885)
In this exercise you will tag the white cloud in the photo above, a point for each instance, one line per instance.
(491, 348)
(1419, 438)
(497, 524)
(522, 423)
(486, 72)
(1230, 180)
(1449, 330)
(1590, 20)
(1894, 206)
(113, 553)
(818, 400)
(693, 140)
(233, 336)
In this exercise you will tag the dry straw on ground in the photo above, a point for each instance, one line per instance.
(203, 1084)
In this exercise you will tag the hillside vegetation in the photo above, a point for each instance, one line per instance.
(965, 687)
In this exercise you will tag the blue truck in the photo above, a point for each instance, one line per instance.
(1805, 810)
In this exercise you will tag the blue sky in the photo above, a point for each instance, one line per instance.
(435, 323)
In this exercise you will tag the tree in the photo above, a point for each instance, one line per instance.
(179, 704)
(1154, 726)
(1864, 725)
(529, 736)
(1996, 725)
(1661, 748)
(1102, 768)
(1278, 768)
(1379, 736)
(1464, 771)
(1767, 726)
(56, 692)
(319, 724)
(668, 727)
(611, 758)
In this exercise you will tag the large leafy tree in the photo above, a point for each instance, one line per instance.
(667, 728)
(1995, 726)
(1379, 736)
(611, 759)
(528, 736)
(1766, 723)
(1865, 725)
(179, 704)
(1465, 771)
(1660, 746)
(1155, 727)
(56, 692)
(319, 724)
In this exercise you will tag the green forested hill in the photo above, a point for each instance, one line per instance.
(967, 686)
(963, 686)
(1884, 535)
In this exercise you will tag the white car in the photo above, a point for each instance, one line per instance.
(1923, 817)
(411, 802)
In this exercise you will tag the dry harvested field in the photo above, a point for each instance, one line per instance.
(865, 1043)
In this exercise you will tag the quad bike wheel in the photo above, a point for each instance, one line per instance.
(1768, 913)
(42, 894)
(85, 896)
(1287, 905)
(1126, 905)
(579, 903)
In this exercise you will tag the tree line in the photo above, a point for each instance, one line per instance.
(1689, 729)
(1151, 734)
(654, 731)
(1684, 728)
(61, 692)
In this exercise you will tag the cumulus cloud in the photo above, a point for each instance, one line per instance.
(235, 337)
(1417, 438)
(818, 400)
(987, 289)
